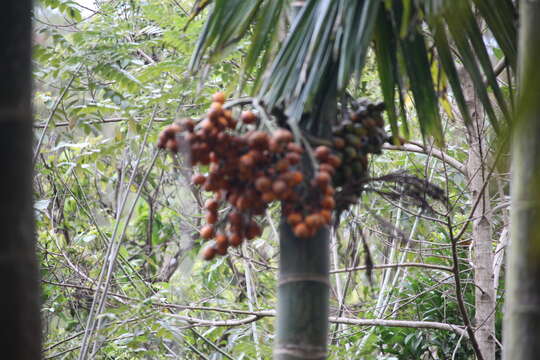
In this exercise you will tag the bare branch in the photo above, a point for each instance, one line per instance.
(419, 149)
(402, 323)
(385, 266)
(256, 315)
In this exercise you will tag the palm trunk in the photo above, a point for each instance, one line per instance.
(302, 320)
(522, 325)
(19, 303)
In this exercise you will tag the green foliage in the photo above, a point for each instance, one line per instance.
(68, 8)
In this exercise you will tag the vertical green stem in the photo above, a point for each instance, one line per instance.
(522, 323)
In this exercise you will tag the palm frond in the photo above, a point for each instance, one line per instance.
(501, 17)
(231, 20)
(263, 36)
(329, 40)
(440, 39)
(227, 22)
(385, 51)
(327, 37)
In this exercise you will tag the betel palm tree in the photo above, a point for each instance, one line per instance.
(303, 75)
(20, 333)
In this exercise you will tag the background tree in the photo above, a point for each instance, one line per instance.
(21, 332)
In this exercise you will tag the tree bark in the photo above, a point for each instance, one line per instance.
(482, 256)
(20, 337)
(522, 317)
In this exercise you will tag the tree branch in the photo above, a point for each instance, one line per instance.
(403, 324)
(419, 149)
(257, 315)
(385, 266)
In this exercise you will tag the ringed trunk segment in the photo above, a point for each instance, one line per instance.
(303, 296)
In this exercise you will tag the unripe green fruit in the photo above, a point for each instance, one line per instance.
(350, 152)
(353, 140)
(360, 130)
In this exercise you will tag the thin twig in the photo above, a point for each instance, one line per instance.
(212, 345)
(417, 148)
(53, 111)
(386, 266)
(459, 295)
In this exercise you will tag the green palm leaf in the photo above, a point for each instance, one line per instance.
(327, 37)
(500, 16)
(445, 57)
(328, 41)
(385, 51)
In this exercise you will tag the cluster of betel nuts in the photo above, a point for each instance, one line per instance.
(249, 170)
(354, 138)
